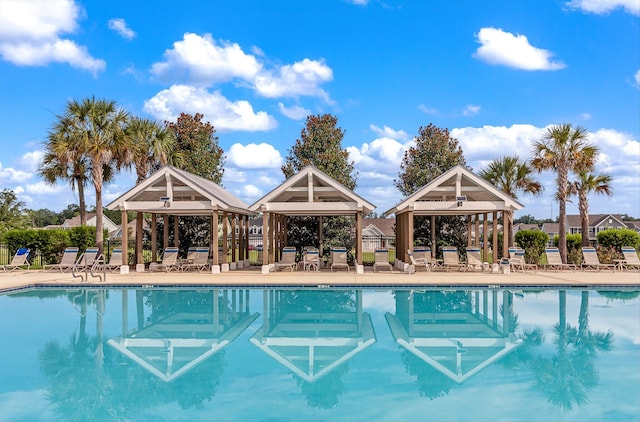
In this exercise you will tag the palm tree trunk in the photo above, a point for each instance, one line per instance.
(562, 228)
(99, 220)
(83, 204)
(584, 217)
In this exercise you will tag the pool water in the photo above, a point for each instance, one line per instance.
(320, 355)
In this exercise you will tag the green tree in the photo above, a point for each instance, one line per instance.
(533, 242)
(63, 159)
(585, 184)
(434, 152)
(320, 145)
(95, 130)
(511, 175)
(563, 149)
(43, 217)
(12, 212)
(71, 211)
(197, 144)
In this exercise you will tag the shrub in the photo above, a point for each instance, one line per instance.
(617, 238)
(574, 248)
(533, 242)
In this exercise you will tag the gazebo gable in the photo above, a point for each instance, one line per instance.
(457, 191)
(311, 191)
(172, 190)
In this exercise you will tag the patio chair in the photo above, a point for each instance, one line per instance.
(311, 260)
(451, 259)
(20, 260)
(67, 262)
(191, 256)
(554, 261)
(87, 259)
(382, 259)
(169, 260)
(418, 262)
(199, 260)
(590, 260)
(517, 261)
(287, 259)
(631, 259)
(474, 259)
(115, 261)
(339, 258)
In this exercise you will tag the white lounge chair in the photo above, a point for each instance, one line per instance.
(19, 260)
(87, 259)
(382, 259)
(199, 260)
(590, 260)
(474, 259)
(287, 259)
(115, 261)
(311, 260)
(554, 261)
(418, 262)
(631, 259)
(67, 262)
(517, 261)
(339, 258)
(451, 259)
(169, 260)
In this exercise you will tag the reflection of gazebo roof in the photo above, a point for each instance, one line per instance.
(171, 347)
(457, 344)
(174, 191)
(312, 192)
(313, 344)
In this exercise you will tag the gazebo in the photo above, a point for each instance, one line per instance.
(310, 192)
(457, 192)
(173, 192)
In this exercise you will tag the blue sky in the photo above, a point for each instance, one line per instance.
(495, 73)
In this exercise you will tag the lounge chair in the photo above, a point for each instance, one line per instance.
(87, 259)
(169, 260)
(590, 260)
(339, 258)
(287, 259)
(416, 262)
(191, 256)
(67, 262)
(115, 261)
(311, 260)
(19, 261)
(199, 260)
(555, 262)
(474, 260)
(451, 259)
(382, 259)
(517, 261)
(631, 259)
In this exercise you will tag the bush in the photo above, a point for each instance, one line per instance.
(533, 242)
(617, 238)
(574, 248)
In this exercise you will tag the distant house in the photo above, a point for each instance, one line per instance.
(378, 233)
(69, 223)
(597, 223)
(552, 230)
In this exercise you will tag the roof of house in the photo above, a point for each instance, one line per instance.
(386, 226)
(574, 220)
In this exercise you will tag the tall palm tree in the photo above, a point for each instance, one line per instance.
(63, 161)
(586, 183)
(151, 145)
(563, 149)
(98, 130)
(511, 175)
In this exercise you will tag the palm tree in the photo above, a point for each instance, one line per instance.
(511, 175)
(586, 183)
(62, 161)
(97, 130)
(151, 145)
(563, 149)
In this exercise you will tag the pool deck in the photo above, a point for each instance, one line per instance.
(253, 277)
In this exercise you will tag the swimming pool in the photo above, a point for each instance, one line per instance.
(334, 355)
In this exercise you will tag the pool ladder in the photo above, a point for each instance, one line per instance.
(96, 266)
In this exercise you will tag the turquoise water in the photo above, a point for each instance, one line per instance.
(320, 355)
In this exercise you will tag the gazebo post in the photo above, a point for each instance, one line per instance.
(215, 266)
(477, 240)
(433, 236)
(485, 237)
(359, 237)
(494, 247)
(139, 259)
(176, 231)
(234, 253)
(165, 231)
(505, 238)
(409, 236)
(154, 237)
(320, 238)
(469, 240)
(265, 238)
(225, 241)
(271, 246)
(124, 268)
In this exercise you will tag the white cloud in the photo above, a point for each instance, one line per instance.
(11, 175)
(585, 116)
(225, 115)
(299, 79)
(43, 188)
(254, 156)
(30, 34)
(471, 110)
(359, 2)
(294, 112)
(428, 110)
(503, 48)
(32, 160)
(200, 60)
(601, 7)
(120, 26)
(637, 79)
(388, 132)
